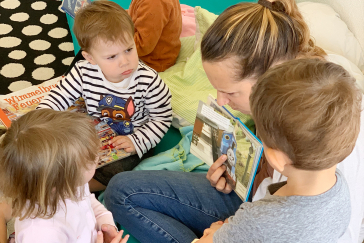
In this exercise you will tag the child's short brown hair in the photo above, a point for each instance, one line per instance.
(103, 20)
(310, 110)
(42, 159)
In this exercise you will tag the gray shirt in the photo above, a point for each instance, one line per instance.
(321, 218)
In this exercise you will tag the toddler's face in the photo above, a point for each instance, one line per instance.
(117, 61)
(90, 172)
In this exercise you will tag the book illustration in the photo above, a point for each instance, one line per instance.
(217, 132)
(18, 103)
(71, 7)
(107, 153)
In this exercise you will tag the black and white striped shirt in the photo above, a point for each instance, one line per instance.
(152, 99)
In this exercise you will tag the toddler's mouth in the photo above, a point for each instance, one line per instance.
(127, 72)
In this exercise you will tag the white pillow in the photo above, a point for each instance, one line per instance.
(330, 32)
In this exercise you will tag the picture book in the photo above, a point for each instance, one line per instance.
(72, 6)
(18, 103)
(216, 132)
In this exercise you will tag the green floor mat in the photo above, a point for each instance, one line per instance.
(171, 139)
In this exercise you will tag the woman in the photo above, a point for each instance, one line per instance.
(244, 42)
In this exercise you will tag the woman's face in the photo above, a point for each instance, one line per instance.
(222, 76)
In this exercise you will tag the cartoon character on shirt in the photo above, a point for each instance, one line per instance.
(117, 113)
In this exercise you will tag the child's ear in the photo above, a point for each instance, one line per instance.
(277, 159)
(88, 57)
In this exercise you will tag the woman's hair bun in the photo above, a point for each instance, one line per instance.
(278, 6)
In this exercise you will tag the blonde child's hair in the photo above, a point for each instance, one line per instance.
(102, 20)
(310, 110)
(258, 37)
(42, 159)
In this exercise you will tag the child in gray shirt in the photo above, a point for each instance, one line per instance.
(307, 113)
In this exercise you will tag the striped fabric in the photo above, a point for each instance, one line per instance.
(151, 96)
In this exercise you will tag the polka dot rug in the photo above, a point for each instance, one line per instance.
(35, 43)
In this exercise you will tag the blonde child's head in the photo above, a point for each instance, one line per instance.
(258, 37)
(309, 109)
(102, 20)
(43, 158)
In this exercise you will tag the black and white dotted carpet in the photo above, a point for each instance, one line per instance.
(35, 43)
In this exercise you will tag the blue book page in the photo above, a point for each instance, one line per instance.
(72, 6)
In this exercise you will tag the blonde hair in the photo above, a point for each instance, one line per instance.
(258, 37)
(42, 159)
(102, 20)
(310, 110)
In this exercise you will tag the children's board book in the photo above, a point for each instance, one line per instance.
(72, 6)
(18, 103)
(216, 132)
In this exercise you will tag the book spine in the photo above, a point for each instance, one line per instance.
(4, 119)
(70, 13)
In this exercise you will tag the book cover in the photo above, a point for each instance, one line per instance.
(72, 6)
(216, 132)
(18, 103)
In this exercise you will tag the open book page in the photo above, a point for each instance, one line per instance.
(107, 153)
(18, 103)
(217, 132)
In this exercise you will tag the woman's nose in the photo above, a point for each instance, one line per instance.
(222, 99)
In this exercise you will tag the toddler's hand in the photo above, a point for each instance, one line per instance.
(109, 232)
(213, 228)
(123, 142)
(118, 238)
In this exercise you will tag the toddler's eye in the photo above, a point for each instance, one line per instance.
(112, 57)
(129, 50)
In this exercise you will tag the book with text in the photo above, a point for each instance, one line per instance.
(18, 103)
(72, 6)
(216, 132)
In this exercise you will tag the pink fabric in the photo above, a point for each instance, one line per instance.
(188, 20)
(74, 222)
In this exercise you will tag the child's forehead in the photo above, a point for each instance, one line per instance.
(123, 39)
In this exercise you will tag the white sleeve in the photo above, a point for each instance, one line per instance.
(158, 103)
(102, 215)
(67, 91)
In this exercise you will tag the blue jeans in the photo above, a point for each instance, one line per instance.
(167, 206)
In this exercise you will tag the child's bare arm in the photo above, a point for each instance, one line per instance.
(5, 216)
(208, 234)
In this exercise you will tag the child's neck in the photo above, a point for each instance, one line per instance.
(307, 183)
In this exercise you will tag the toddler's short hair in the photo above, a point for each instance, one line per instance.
(102, 20)
(310, 110)
(42, 159)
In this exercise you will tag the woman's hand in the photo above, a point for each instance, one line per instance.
(117, 239)
(214, 175)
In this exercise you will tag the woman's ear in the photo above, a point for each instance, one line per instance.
(277, 159)
(88, 57)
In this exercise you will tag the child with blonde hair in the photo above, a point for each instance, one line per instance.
(47, 158)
